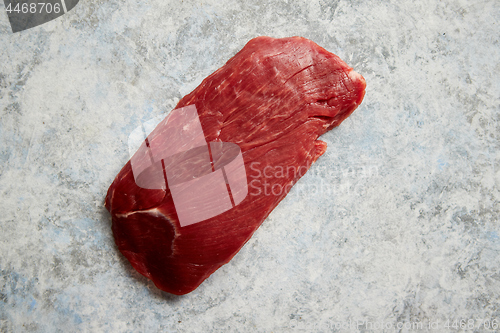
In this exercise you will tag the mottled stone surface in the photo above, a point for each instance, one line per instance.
(397, 223)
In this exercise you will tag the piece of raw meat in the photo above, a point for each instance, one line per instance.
(273, 99)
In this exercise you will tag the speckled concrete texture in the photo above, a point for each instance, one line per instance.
(394, 229)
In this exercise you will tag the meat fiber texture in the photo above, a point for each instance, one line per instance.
(273, 99)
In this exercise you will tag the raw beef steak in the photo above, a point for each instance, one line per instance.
(273, 99)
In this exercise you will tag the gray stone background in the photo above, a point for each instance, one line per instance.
(396, 224)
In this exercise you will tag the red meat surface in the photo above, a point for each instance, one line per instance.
(273, 99)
